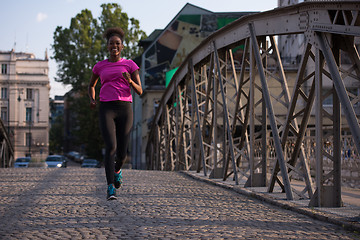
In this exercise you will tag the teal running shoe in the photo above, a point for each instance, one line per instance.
(118, 179)
(111, 192)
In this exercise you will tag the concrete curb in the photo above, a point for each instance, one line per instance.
(311, 212)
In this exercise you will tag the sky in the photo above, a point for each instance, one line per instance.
(29, 25)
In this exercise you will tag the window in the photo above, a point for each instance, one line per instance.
(4, 93)
(353, 94)
(3, 68)
(29, 93)
(4, 114)
(156, 105)
(28, 114)
(28, 139)
(328, 102)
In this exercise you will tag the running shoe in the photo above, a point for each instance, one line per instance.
(118, 179)
(111, 192)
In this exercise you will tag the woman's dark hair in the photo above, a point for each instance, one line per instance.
(114, 31)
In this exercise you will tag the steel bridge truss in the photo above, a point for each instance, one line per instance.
(237, 120)
(6, 149)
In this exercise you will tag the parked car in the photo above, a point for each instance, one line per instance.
(75, 156)
(72, 155)
(56, 161)
(22, 162)
(80, 158)
(90, 163)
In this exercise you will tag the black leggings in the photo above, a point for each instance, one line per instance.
(116, 119)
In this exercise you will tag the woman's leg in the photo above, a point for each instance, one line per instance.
(107, 127)
(123, 122)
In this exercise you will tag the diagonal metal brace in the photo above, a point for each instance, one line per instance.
(266, 94)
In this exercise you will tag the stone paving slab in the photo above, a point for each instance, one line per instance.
(71, 203)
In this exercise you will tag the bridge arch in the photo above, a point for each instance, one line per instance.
(244, 118)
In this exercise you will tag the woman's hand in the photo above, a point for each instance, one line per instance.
(134, 81)
(127, 76)
(91, 90)
(92, 104)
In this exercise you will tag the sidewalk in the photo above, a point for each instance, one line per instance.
(347, 216)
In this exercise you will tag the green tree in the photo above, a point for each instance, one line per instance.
(56, 135)
(76, 50)
(112, 13)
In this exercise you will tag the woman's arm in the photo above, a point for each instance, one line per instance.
(91, 90)
(134, 81)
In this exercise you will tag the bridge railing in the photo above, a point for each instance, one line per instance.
(230, 100)
(350, 158)
(6, 148)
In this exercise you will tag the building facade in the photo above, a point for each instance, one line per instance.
(56, 108)
(24, 102)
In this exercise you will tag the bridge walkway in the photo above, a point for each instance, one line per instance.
(70, 203)
(348, 215)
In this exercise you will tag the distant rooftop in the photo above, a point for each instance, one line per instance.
(24, 55)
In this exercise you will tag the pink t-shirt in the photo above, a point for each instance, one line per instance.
(114, 86)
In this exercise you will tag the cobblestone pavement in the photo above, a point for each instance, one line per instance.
(71, 204)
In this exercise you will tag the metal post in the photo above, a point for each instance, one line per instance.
(30, 137)
(251, 103)
(264, 133)
(319, 129)
(215, 113)
(336, 142)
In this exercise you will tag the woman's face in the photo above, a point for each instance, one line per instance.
(114, 46)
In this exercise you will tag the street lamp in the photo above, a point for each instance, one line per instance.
(29, 122)
(8, 102)
(11, 137)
